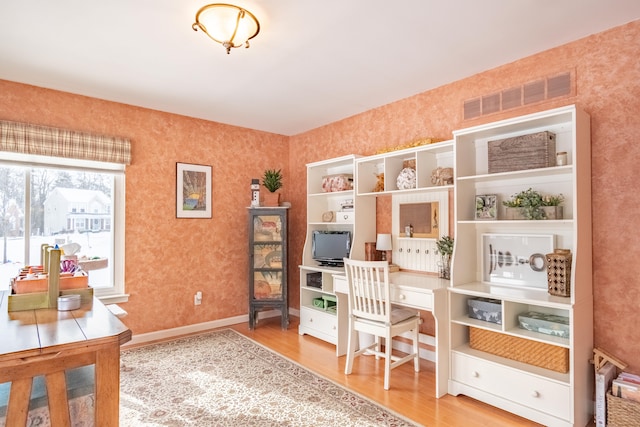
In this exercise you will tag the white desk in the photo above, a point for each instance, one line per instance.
(416, 290)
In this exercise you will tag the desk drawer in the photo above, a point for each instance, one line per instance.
(541, 394)
(421, 300)
(325, 324)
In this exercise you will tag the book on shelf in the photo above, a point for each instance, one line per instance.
(604, 378)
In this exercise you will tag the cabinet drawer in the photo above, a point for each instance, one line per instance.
(340, 284)
(529, 390)
(324, 323)
(421, 300)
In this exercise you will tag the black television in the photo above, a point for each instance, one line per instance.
(329, 247)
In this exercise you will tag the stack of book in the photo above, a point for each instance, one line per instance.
(626, 386)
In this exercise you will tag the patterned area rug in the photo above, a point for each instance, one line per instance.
(225, 379)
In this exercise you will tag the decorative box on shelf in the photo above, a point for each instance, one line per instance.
(487, 309)
(536, 150)
(544, 323)
(547, 212)
(338, 182)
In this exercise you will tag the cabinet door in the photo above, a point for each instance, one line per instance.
(268, 256)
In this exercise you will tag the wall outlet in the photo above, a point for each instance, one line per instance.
(197, 298)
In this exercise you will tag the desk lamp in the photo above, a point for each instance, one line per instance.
(383, 244)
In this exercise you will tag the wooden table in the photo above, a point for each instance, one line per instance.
(48, 342)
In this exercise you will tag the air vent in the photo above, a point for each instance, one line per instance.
(556, 86)
(472, 109)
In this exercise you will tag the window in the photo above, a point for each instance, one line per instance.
(61, 187)
(39, 204)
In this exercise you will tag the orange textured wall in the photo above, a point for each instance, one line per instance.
(169, 259)
(607, 73)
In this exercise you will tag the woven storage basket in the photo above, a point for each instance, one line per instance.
(522, 350)
(622, 412)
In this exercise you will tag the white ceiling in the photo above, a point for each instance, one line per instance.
(314, 61)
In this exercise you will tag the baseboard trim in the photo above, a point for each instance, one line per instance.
(168, 334)
(173, 333)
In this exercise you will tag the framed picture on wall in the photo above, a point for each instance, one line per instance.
(516, 259)
(193, 191)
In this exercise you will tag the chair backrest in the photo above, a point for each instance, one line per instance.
(369, 294)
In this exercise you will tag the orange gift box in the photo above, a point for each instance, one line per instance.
(24, 286)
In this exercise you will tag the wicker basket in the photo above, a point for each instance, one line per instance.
(622, 412)
(522, 350)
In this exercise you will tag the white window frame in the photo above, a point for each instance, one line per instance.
(116, 293)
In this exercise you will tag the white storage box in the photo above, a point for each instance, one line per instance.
(344, 216)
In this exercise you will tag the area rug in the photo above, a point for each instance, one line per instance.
(223, 378)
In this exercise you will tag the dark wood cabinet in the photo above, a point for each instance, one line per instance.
(268, 263)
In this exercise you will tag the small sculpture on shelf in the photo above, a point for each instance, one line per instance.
(442, 176)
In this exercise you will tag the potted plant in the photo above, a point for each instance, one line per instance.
(445, 248)
(272, 181)
(531, 204)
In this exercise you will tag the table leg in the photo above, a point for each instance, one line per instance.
(57, 395)
(19, 397)
(107, 386)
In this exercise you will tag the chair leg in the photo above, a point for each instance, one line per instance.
(388, 344)
(351, 349)
(416, 349)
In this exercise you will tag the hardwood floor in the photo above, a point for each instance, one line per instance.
(411, 394)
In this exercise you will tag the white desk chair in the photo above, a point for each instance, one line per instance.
(370, 312)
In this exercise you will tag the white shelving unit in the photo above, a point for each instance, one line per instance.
(542, 395)
(426, 158)
(415, 253)
(361, 222)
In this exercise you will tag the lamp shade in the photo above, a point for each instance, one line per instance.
(383, 242)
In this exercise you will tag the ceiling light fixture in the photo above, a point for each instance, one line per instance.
(227, 24)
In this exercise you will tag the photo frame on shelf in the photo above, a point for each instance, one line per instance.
(486, 207)
(516, 259)
(193, 191)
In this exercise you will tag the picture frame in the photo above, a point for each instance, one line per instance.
(516, 259)
(193, 190)
(423, 217)
(486, 207)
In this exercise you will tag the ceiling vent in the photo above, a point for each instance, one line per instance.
(556, 86)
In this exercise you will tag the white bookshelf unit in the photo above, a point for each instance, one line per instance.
(543, 395)
(360, 221)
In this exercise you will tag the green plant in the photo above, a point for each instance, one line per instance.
(530, 201)
(445, 246)
(272, 179)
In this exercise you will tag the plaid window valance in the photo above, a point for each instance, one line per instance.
(48, 141)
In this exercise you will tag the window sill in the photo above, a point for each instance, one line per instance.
(113, 299)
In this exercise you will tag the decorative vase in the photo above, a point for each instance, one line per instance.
(552, 212)
(271, 200)
(444, 268)
(514, 213)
